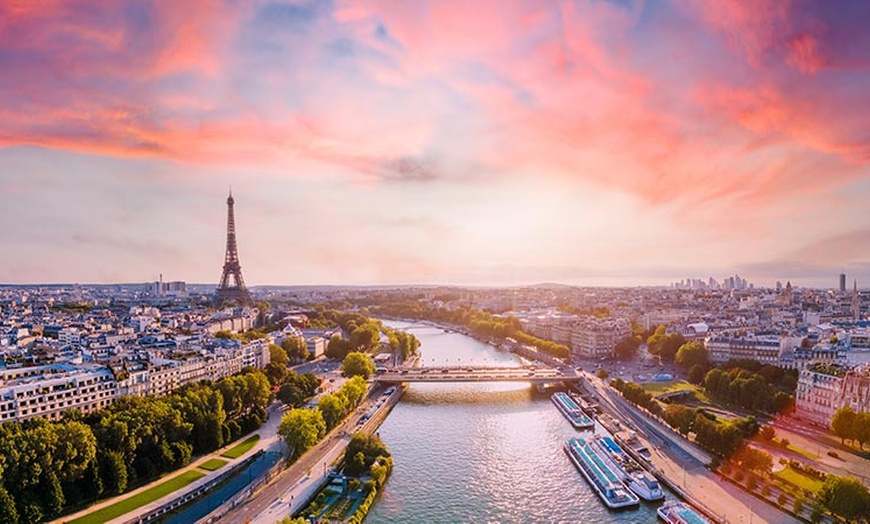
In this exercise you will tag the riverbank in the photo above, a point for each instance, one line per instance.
(299, 483)
(682, 467)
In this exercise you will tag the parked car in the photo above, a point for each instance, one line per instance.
(834, 454)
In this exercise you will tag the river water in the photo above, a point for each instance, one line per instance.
(482, 452)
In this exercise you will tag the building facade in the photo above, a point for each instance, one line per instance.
(823, 389)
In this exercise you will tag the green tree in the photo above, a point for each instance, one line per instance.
(697, 374)
(334, 407)
(291, 395)
(627, 347)
(301, 429)
(278, 355)
(7, 507)
(816, 513)
(357, 364)
(114, 472)
(354, 390)
(845, 496)
(276, 373)
(691, 354)
(602, 374)
(337, 348)
(844, 424)
(356, 465)
(798, 505)
(365, 337)
(203, 407)
(296, 348)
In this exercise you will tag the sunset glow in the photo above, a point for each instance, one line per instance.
(488, 142)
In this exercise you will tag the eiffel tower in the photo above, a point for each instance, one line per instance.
(235, 292)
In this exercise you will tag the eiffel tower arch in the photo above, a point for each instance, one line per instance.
(232, 285)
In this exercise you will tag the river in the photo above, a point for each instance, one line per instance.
(482, 452)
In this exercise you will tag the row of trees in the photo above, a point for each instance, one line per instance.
(721, 438)
(335, 406)
(849, 425)
(364, 334)
(747, 389)
(845, 496)
(637, 395)
(302, 428)
(406, 343)
(479, 322)
(48, 467)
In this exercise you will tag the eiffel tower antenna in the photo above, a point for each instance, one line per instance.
(234, 291)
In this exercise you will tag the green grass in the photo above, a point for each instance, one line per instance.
(240, 449)
(803, 452)
(795, 477)
(140, 499)
(660, 388)
(213, 464)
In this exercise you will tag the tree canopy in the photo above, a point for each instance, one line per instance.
(301, 429)
(849, 425)
(45, 466)
(664, 344)
(627, 347)
(278, 355)
(845, 496)
(691, 354)
(296, 348)
(357, 364)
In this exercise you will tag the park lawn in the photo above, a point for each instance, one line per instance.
(798, 479)
(145, 497)
(803, 452)
(213, 464)
(240, 449)
(659, 388)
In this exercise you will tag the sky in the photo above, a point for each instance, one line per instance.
(500, 142)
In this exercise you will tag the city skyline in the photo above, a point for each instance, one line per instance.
(383, 143)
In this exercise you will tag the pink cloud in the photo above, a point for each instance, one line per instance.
(687, 109)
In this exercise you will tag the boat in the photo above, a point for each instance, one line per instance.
(572, 411)
(629, 471)
(603, 480)
(675, 512)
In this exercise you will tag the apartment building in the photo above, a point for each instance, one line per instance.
(767, 350)
(54, 391)
(597, 337)
(825, 388)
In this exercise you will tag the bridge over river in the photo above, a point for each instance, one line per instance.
(534, 375)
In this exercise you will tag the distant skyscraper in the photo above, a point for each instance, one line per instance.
(235, 292)
(856, 306)
(842, 283)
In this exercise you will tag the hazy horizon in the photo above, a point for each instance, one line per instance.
(610, 143)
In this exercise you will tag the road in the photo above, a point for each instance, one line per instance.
(822, 443)
(299, 481)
